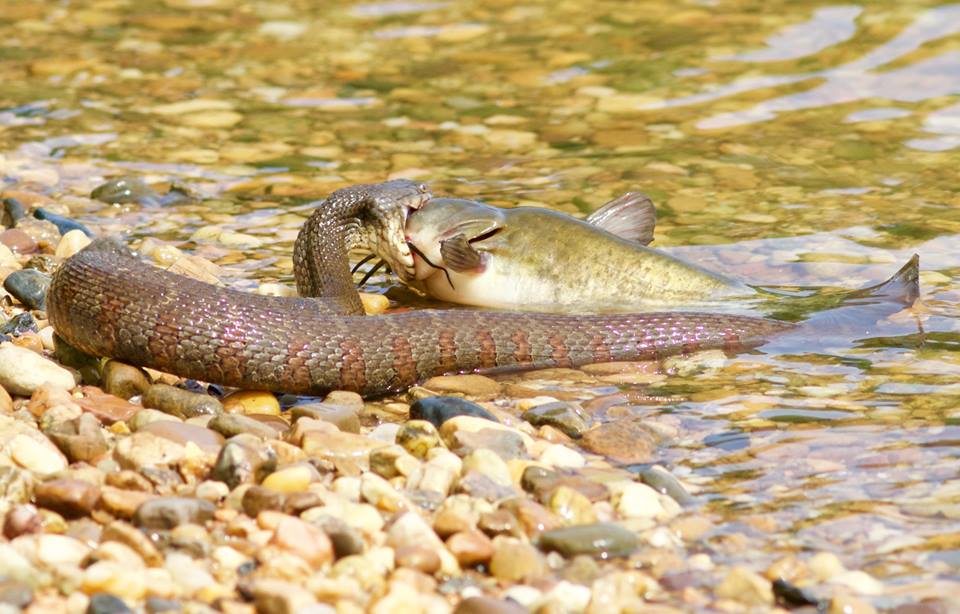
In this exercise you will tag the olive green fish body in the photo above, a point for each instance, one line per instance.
(537, 259)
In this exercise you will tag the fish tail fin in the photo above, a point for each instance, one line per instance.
(903, 287)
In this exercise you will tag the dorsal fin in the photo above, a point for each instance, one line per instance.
(631, 216)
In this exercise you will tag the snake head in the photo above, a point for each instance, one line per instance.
(387, 220)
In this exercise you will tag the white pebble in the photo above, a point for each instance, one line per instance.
(59, 550)
(35, 456)
(558, 455)
(637, 500)
(71, 243)
(22, 371)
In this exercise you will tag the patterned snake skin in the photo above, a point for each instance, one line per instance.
(107, 302)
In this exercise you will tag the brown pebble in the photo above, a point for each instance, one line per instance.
(303, 539)
(516, 561)
(417, 557)
(624, 441)
(122, 503)
(470, 547)
(18, 241)
(20, 520)
(181, 432)
(67, 497)
(475, 386)
(123, 380)
(106, 407)
(488, 605)
(134, 538)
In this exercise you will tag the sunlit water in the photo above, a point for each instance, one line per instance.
(783, 142)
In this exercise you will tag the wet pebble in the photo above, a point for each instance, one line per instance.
(104, 603)
(71, 243)
(343, 417)
(126, 190)
(418, 437)
(28, 286)
(747, 587)
(477, 386)
(626, 441)
(123, 380)
(600, 539)
(243, 459)
(18, 241)
(23, 371)
(229, 425)
(169, 512)
(179, 402)
(107, 408)
(571, 505)
(567, 417)
(251, 402)
(63, 224)
(664, 482)
(438, 410)
(635, 500)
(516, 561)
(69, 498)
(470, 547)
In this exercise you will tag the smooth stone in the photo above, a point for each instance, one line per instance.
(339, 447)
(636, 500)
(23, 371)
(155, 605)
(470, 547)
(179, 402)
(567, 417)
(143, 449)
(71, 243)
(123, 380)
(480, 486)
(67, 497)
(304, 540)
(107, 408)
(145, 417)
(169, 512)
(38, 455)
(296, 478)
(488, 605)
(122, 502)
(438, 410)
(18, 241)
(135, 539)
(409, 529)
(599, 539)
(55, 550)
(418, 437)
(488, 463)
(532, 517)
(745, 586)
(541, 481)
(15, 593)
(470, 384)
(665, 483)
(392, 461)
(625, 441)
(346, 539)
(114, 578)
(228, 425)
(251, 402)
(28, 286)
(257, 499)
(22, 519)
(81, 439)
(243, 459)
(125, 190)
(13, 211)
(571, 505)
(104, 603)
(64, 224)
(271, 596)
(421, 558)
(561, 456)
(516, 561)
(343, 417)
(182, 433)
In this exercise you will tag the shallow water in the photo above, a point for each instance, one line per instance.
(783, 142)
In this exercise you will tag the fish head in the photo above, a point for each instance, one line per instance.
(451, 233)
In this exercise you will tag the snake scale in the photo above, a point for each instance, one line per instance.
(107, 302)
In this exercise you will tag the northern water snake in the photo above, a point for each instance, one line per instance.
(107, 302)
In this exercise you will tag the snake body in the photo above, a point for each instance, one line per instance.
(107, 302)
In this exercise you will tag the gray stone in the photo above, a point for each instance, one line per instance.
(599, 539)
(169, 512)
(28, 286)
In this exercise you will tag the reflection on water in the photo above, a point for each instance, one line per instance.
(856, 80)
(783, 143)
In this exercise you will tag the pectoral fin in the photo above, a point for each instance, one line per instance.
(460, 256)
(631, 216)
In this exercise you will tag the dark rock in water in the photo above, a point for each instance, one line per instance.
(567, 417)
(244, 458)
(28, 286)
(663, 482)
(14, 593)
(169, 512)
(156, 604)
(126, 190)
(440, 409)
(541, 481)
(179, 402)
(63, 224)
(19, 324)
(103, 603)
(729, 440)
(627, 441)
(13, 211)
(600, 539)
